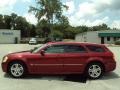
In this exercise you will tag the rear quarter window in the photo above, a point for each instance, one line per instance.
(95, 48)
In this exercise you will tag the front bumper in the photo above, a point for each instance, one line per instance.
(4, 67)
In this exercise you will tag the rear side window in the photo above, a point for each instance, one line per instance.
(74, 49)
(95, 48)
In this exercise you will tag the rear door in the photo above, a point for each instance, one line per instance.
(74, 58)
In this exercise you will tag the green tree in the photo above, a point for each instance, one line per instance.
(43, 28)
(7, 21)
(13, 20)
(62, 24)
(51, 9)
(16, 22)
(100, 27)
(23, 25)
(2, 24)
(57, 34)
(32, 30)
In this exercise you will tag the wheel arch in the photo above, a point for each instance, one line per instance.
(20, 61)
(95, 61)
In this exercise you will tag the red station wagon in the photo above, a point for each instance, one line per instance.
(61, 58)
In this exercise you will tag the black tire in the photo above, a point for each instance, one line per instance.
(94, 70)
(17, 69)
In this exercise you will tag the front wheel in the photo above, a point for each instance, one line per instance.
(94, 70)
(17, 69)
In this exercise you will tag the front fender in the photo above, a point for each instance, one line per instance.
(15, 59)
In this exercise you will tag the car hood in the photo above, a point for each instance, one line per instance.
(21, 53)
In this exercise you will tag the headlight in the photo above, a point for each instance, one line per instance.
(5, 59)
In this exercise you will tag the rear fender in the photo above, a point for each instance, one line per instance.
(95, 59)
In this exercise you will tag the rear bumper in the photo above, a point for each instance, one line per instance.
(110, 66)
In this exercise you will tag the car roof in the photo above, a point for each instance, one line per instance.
(74, 43)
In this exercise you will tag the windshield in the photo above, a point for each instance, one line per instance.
(36, 49)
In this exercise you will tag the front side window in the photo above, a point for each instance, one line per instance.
(55, 49)
(95, 48)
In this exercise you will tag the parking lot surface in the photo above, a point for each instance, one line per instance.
(110, 81)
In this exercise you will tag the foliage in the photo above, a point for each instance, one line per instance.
(51, 22)
(2, 23)
(43, 29)
(57, 34)
(51, 9)
(56, 23)
(100, 27)
(16, 22)
(59, 29)
(117, 42)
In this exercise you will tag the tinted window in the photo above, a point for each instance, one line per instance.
(95, 48)
(74, 49)
(65, 48)
(55, 49)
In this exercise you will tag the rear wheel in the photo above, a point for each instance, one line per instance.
(94, 70)
(17, 69)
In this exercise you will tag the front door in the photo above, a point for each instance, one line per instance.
(49, 63)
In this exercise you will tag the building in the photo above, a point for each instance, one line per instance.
(9, 36)
(100, 37)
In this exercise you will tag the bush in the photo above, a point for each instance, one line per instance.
(57, 34)
(24, 41)
(117, 42)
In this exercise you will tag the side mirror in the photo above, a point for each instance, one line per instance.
(35, 48)
(42, 52)
(31, 50)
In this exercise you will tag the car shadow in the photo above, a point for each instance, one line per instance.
(110, 75)
(71, 78)
(76, 78)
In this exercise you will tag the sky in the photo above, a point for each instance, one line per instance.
(80, 12)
